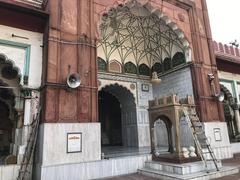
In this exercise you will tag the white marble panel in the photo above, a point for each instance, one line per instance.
(9, 172)
(96, 169)
(143, 136)
(55, 143)
(221, 146)
(144, 96)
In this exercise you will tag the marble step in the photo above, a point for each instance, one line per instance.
(203, 175)
(181, 169)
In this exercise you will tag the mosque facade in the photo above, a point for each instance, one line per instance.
(81, 74)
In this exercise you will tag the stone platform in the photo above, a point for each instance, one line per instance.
(194, 170)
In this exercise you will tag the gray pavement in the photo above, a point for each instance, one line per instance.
(231, 162)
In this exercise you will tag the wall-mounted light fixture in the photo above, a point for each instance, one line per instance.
(155, 79)
(218, 95)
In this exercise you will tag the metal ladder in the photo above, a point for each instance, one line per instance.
(199, 137)
(24, 171)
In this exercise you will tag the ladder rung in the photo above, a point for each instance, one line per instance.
(197, 124)
(209, 159)
(206, 152)
(199, 132)
(22, 171)
(202, 138)
(193, 117)
(199, 136)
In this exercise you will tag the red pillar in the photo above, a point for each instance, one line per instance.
(71, 42)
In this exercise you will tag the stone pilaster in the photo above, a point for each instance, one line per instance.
(71, 49)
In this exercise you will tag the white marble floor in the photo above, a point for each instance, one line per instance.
(120, 151)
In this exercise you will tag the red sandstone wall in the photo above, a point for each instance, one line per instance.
(71, 42)
(226, 50)
(78, 21)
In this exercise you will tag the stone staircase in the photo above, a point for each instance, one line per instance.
(194, 170)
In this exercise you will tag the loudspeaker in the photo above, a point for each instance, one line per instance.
(220, 96)
(73, 80)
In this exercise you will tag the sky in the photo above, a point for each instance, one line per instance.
(224, 20)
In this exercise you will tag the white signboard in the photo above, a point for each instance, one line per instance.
(74, 142)
(217, 134)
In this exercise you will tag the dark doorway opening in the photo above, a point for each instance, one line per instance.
(5, 130)
(110, 118)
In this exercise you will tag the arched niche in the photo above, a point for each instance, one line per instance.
(102, 65)
(130, 68)
(144, 70)
(178, 59)
(8, 69)
(167, 64)
(157, 67)
(163, 134)
(115, 66)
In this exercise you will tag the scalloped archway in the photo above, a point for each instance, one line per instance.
(117, 114)
(10, 77)
(135, 31)
(154, 10)
(9, 70)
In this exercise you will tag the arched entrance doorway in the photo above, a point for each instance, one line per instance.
(134, 42)
(10, 106)
(110, 118)
(229, 104)
(163, 135)
(117, 114)
(5, 129)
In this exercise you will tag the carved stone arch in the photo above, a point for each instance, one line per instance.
(229, 105)
(128, 110)
(227, 94)
(168, 124)
(130, 68)
(113, 94)
(119, 89)
(9, 70)
(7, 99)
(115, 66)
(153, 9)
(144, 70)
(167, 64)
(178, 59)
(158, 67)
(164, 117)
(10, 75)
(102, 65)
